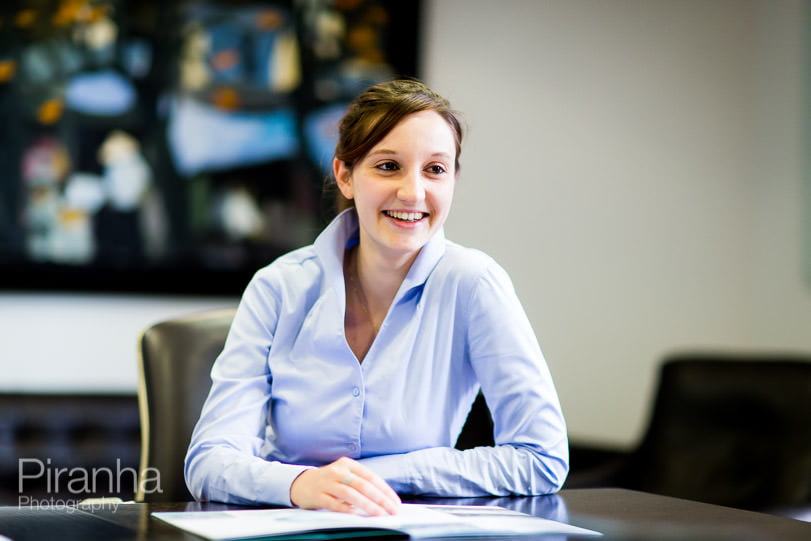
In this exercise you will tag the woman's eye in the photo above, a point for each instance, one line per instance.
(436, 169)
(387, 166)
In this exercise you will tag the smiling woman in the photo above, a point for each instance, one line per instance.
(403, 190)
(351, 364)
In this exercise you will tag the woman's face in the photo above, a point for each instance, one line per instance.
(403, 187)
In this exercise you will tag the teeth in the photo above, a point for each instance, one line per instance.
(405, 216)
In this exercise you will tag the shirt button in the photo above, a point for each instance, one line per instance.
(355, 391)
(353, 447)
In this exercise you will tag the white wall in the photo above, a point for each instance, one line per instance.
(635, 165)
(782, 299)
(57, 343)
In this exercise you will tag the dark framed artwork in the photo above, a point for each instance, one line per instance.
(159, 146)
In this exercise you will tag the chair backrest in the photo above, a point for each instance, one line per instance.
(174, 379)
(478, 428)
(729, 430)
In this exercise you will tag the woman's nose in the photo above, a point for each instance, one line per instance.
(411, 188)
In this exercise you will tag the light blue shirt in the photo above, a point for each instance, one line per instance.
(288, 393)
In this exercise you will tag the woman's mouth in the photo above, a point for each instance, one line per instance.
(405, 216)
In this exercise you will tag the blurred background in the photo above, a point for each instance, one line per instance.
(637, 166)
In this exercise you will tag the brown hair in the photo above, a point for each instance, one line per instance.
(377, 110)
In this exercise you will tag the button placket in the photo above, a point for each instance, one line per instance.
(353, 445)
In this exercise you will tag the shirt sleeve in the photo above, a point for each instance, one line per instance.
(224, 460)
(531, 453)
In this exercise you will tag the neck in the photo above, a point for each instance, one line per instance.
(379, 277)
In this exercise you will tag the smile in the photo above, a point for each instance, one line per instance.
(405, 216)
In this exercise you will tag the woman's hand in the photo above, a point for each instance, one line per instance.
(345, 486)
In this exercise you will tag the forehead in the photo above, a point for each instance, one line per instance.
(424, 131)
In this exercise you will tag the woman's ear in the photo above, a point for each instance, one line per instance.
(343, 176)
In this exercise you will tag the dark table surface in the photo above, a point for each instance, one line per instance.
(617, 513)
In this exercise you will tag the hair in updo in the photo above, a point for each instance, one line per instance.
(377, 110)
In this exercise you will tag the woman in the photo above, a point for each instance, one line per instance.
(351, 364)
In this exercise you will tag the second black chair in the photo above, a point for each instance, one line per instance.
(728, 429)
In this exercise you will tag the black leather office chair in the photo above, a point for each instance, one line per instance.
(174, 379)
(733, 430)
(478, 428)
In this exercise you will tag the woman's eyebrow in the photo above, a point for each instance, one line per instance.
(382, 151)
(393, 152)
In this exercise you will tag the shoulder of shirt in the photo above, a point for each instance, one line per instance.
(458, 254)
(474, 277)
(296, 261)
(469, 263)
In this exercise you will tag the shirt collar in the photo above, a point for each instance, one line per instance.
(343, 232)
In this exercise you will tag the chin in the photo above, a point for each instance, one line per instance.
(408, 246)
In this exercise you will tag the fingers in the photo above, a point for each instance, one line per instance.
(367, 491)
(373, 487)
(333, 504)
(345, 486)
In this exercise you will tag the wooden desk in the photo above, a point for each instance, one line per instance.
(619, 514)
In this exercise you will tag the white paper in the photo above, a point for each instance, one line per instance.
(415, 520)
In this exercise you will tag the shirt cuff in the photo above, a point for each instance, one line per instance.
(273, 484)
